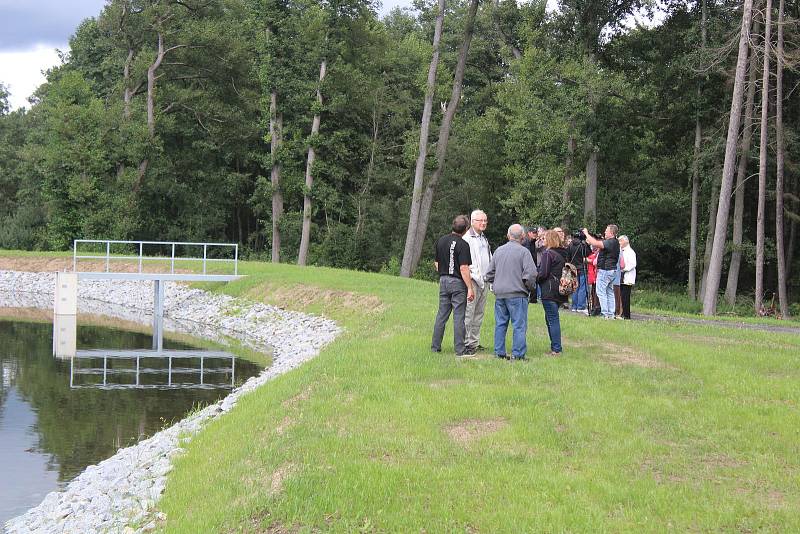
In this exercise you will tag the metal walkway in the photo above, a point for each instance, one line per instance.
(156, 257)
(131, 260)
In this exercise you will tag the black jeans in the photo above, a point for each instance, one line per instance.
(625, 291)
(452, 298)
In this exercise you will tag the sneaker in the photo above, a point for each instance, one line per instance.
(469, 351)
(582, 310)
(436, 350)
(519, 358)
(554, 354)
(502, 356)
(618, 317)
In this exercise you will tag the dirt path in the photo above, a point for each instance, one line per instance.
(716, 322)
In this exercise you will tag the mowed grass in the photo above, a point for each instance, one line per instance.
(638, 427)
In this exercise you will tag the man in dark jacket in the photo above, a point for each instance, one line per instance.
(455, 285)
(577, 252)
(512, 274)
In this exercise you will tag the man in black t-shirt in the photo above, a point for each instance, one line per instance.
(455, 285)
(606, 268)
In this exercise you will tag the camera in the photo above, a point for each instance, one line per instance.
(579, 235)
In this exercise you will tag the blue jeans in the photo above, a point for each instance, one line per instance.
(605, 292)
(579, 297)
(515, 309)
(553, 324)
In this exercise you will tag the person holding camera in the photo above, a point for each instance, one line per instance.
(577, 252)
(607, 260)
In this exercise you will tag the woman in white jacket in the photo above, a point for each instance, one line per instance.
(628, 265)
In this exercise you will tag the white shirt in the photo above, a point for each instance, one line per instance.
(481, 255)
(629, 272)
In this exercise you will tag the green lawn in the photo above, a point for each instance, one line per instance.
(637, 427)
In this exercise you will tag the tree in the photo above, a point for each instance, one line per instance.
(444, 137)
(779, 182)
(698, 138)
(407, 267)
(744, 155)
(762, 161)
(718, 248)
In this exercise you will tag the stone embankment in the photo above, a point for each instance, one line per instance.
(120, 494)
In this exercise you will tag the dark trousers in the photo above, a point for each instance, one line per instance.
(625, 291)
(594, 306)
(452, 298)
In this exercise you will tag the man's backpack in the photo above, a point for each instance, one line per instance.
(569, 280)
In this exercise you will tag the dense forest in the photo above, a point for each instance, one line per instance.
(316, 132)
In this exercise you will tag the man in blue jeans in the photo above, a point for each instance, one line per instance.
(606, 268)
(512, 274)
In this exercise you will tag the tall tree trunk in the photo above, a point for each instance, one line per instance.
(276, 140)
(732, 284)
(718, 250)
(791, 247)
(128, 92)
(517, 53)
(306, 232)
(762, 161)
(698, 139)
(370, 170)
(444, 136)
(569, 175)
(698, 136)
(151, 99)
(713, 205)
(590, 193)
(783, 299)
(151, 86)
(419, 171)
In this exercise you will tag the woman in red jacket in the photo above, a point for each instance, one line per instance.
(591, 263)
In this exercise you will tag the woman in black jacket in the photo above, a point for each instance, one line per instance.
(549, 277)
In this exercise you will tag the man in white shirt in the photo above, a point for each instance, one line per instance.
(481, 256)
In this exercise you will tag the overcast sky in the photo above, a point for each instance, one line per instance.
(32, 30)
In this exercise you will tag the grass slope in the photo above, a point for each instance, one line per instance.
(638, 427)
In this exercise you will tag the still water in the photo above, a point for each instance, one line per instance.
(58, 416)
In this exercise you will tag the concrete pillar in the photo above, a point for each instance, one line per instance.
(65, 310)
(158, 314)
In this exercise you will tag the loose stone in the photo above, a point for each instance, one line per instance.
(120, 493)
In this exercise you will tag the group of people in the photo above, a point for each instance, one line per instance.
(530, 267)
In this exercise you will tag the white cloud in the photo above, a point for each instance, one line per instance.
(21, 71)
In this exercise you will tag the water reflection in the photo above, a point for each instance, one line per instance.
(152, 369)
(57, 417)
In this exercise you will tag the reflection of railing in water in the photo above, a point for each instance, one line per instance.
(139, 371)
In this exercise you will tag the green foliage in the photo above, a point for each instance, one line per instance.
(639, 426)
(82, 161)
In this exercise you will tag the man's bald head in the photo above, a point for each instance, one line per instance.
(516, 233)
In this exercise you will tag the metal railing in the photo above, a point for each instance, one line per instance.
(141, 258)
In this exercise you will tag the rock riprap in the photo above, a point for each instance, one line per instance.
(120, 494)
